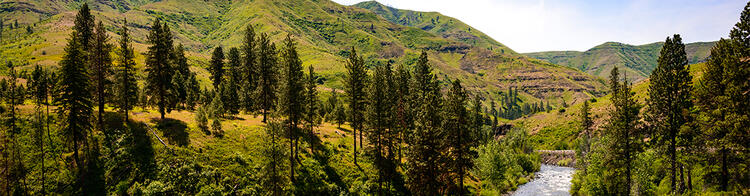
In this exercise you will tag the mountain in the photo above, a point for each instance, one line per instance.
(637, 61)
(436, 23)
(324, 30)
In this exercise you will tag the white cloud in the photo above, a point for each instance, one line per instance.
(544, 25)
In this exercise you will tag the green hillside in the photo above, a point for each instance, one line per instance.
(637, 61)
(438, 24)
(325, 30)
(558, 129)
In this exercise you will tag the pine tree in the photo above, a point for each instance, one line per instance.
(722, 99)
(477, 120)
(292, 97)
(403, 109)
(425, 155)
(586, 127)
(217, 67)
(84, 27)
(74, 103)
(669, 100)
(1, 29)
(330, 106)
(15, 168)
(127, 86)
(356, 79)
(39, 86)
(339, 113)
(235, 77)
(312, 105)
(159, 67)
(623, 133)
(457, 127)
(379, 122)
(249, 69)
(267, 79)
(180, 79)
(272, 179)
(101, 69)
(193, 91)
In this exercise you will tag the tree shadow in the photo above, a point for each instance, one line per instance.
(175, 131)
(131, 154)
(323, 155)
(142, 150)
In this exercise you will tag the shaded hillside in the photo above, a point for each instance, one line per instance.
(325, 30)
(637, 61)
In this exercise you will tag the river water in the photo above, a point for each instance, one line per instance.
(549, 180)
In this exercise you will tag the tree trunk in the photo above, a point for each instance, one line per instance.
(674, 161)
(724, 169)
(690, 180)
(264, 116)
(291, 154)
(682, 180)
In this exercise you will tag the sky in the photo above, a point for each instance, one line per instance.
(553, 25)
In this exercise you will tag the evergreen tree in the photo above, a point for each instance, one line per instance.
(217, 109)
(39, 86)
(669, 101)
(272, 178)
(331, 104)
(15, 167)
(201, 118)
(356, 79)
(84, 27)
(249, 69)
(623, 133)
(403, 109)
(312, 105)
(292, 96)
(267, 79)
(340, 113)
(101, 69)
(457, 128)
(379, 125)
(477, 120)
(722, 99)
(231, 99)
(74, 103)
(127, 86)
(193, 91)
(425, 155)
(180, 79)
(217, 67)
(159, 67)
(494, 114)
(586, 127)
(1, 30)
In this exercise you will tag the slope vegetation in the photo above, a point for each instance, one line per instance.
(636, 61)
(325, 30)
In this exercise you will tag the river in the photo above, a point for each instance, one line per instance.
(549, 180)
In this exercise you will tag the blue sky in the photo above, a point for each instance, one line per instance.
(545, 25)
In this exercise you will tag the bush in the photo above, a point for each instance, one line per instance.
(504, 165)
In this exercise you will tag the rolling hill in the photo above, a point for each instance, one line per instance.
(325, 31)
(637, 61)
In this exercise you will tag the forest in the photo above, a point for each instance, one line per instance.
(99, 123)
